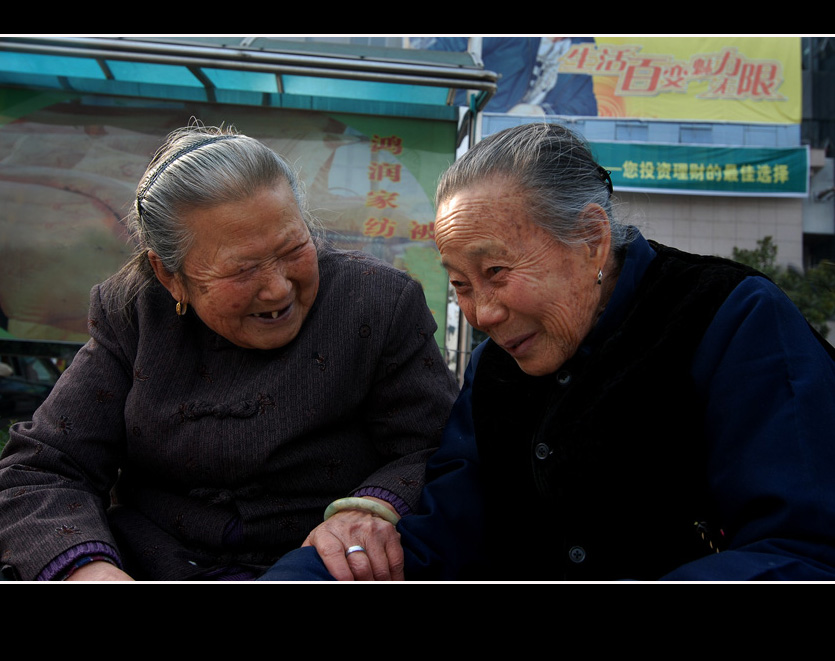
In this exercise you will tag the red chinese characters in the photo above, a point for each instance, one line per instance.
(728, 74)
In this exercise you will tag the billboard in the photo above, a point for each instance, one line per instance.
(714, 78)
(69, 170)
(706, 169)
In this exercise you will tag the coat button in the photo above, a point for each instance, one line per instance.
(577, 554)
(541, 451)
(564, 378)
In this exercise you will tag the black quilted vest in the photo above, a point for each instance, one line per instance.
(598, 472)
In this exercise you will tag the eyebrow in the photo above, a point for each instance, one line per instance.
(480, 250)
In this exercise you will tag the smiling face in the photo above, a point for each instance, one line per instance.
(252, 273)
(535, 297)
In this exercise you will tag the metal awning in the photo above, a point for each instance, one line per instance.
(319, 75)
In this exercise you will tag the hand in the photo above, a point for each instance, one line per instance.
(99, 571)
(383, 556)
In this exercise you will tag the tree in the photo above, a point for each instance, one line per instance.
(812, 291)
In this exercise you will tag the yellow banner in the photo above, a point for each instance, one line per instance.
(737, 79)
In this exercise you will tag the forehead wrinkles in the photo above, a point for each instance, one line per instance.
(486, 219)
(232, 234)
(486, 205)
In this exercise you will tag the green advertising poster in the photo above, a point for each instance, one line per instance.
(715, 170)
(69, 171)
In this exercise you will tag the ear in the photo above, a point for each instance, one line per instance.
(599, 239)
(171, 281)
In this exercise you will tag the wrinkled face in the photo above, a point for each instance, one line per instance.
(252, 273)
(533, 296)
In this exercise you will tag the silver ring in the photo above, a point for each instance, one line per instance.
(353, 549)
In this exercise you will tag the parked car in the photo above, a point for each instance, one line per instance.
(25, 382)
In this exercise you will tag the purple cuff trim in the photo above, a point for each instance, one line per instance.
(384, 494)
(56, 569)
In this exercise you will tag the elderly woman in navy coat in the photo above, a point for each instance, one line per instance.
(636, 413)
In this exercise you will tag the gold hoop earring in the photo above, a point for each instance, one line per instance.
(181, 308)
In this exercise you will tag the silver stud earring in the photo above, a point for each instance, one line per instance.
(599, 276)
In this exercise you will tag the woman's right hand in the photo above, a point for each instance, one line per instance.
(382, 556)
(99, 570)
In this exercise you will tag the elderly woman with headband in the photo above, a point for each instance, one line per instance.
(247, 389)
(637, 413)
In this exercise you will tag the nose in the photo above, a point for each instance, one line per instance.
(487, 311)
(274, 285)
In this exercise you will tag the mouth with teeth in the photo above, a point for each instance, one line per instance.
(273, 314)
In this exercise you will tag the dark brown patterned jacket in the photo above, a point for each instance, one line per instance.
(226, 456)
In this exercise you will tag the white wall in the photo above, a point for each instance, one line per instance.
(714, 225)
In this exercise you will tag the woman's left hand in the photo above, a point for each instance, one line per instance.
(381, 558)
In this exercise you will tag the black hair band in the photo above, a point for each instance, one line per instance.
(606, 178)
(168, 161)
